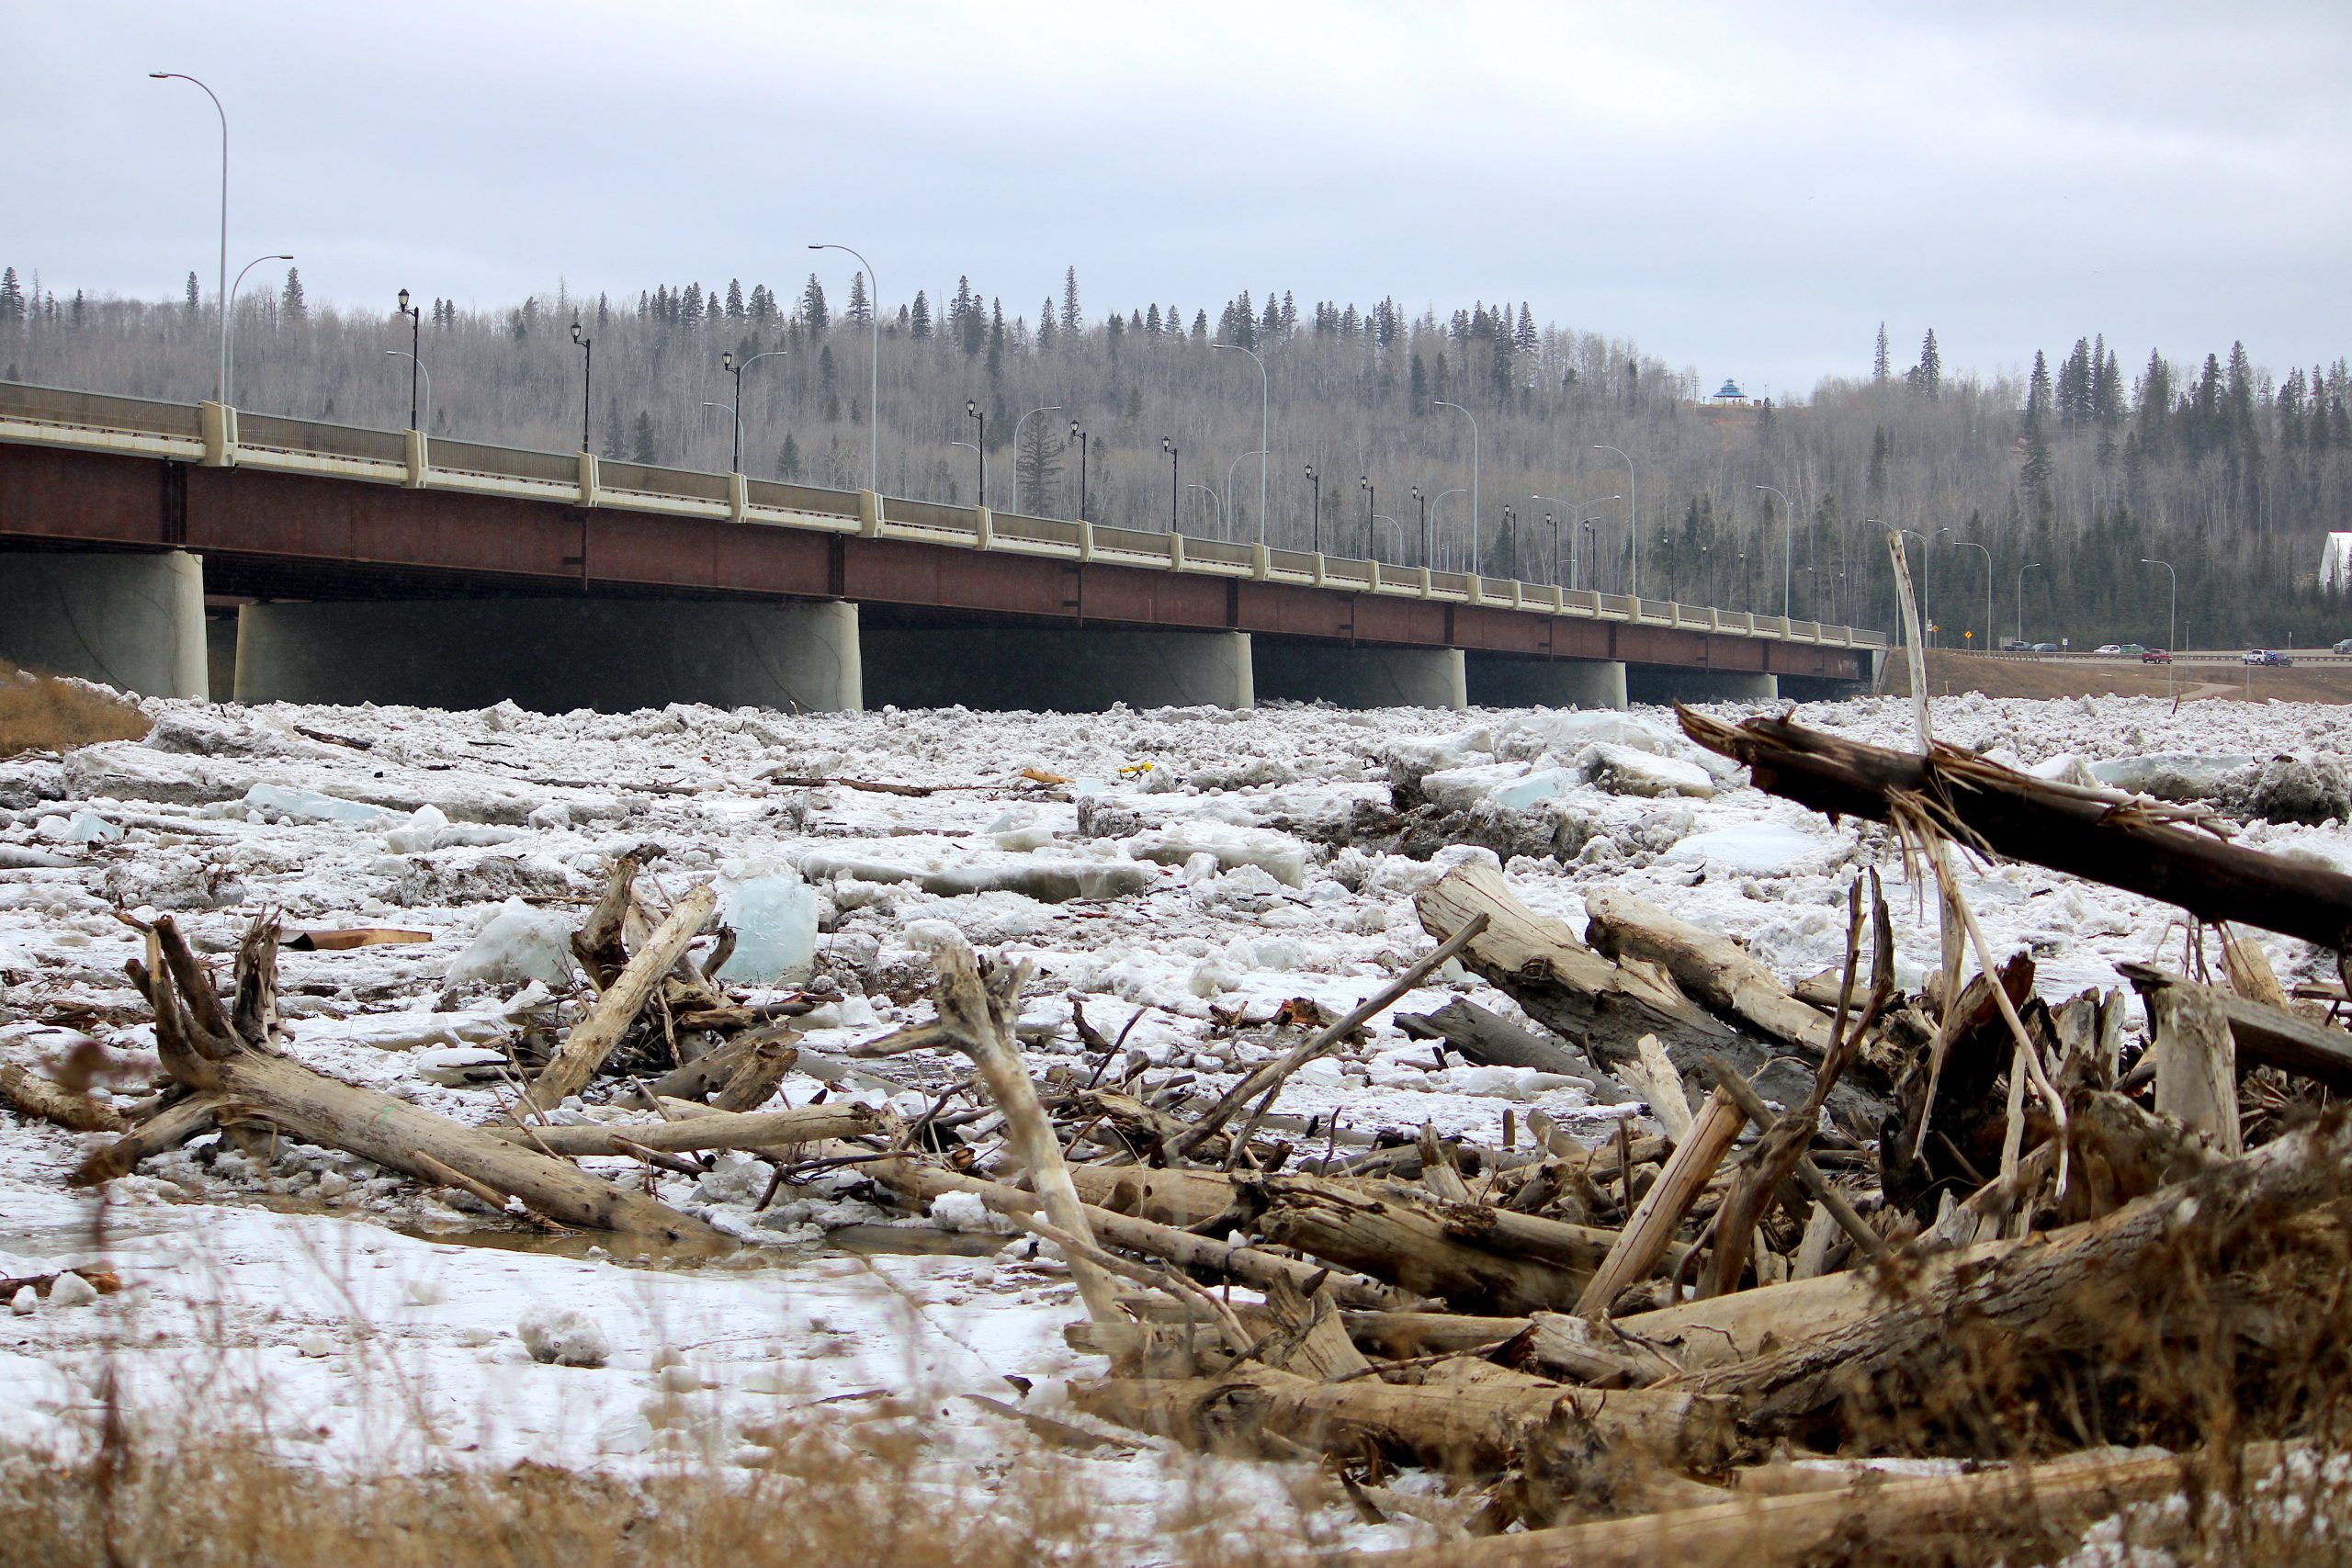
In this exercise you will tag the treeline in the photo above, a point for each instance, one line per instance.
(2232, 472)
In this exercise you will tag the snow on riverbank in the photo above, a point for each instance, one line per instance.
(1196, 866)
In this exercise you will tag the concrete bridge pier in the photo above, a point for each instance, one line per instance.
(1673, 684)
(1055, 669)
(133, 621)
(1501, 683)
(1360, 676)
(553, 655)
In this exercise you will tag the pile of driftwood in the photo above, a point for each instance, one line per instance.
(1967, 1223)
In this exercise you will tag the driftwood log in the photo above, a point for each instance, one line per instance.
(2140, 846)
(226, 1053)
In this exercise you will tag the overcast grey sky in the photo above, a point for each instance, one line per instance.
(1745, 190)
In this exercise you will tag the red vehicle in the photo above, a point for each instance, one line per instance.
(2155, 656)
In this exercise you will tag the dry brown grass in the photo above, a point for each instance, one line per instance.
(1949, 674)
(227, 1503)
(42, 712)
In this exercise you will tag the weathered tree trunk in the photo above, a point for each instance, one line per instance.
(2136, 845)
(29, 1094)
(1713, 971)
(2265, 1035)
(169, 1128)
(719, 1130)
(1473, 1426)
(2196, 1062)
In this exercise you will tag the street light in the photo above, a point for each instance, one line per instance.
(1371, 510)
(874, 370)
(1509, 535)
(1261, 452)
(1424, 504)
(2029, 566)
(727, 363)
(1218, 503)
(587, 376)
(415, 352)
(416, 366)
(1167, 445)
(1049, 408)
(980, 443)
(1788, 549)
(1437, 504)
(1973, 545)
(1576, 573)
(2172, 626)
(1316, 480)
(1265, 433)
(1633, 523)
(1474, 479)
(221, 293)
(1378, 518)
(1079, 436)
(229, 383)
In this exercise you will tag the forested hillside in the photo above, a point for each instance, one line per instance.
(2073, 473)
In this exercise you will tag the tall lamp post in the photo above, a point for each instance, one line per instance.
(416, 366)
(2029, 566)
(1509, 536)
(1788, 545)
(874, 370)
(1371, 510)
(587, 377)
(726, 362)
(1576, 571)
(1316, 480)
(1230, 468)
(1049, 408)
(1167, 445)
(221, 293)
(1424, 504)
(1378, 518)
(1217, 504)
(229, 386)
(415, 352)
(1474, 479)
(1079, 436)
(1632, 524)
(1437, 504)
(2172, 625)
(1265, 432)
(980, 443)
(1980, 549)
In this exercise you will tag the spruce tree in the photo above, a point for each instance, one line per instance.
(860, 308)
(12, 297)
(734, 299)
(641, 451)
(1200, 326)
(192, 295)
(1151, 322)
(1930, 375)
(788, 458)
(1879, 367)
(919, 319)
(996, 340)
(290, 298)
(813, 314)
(1072, 319)
(1045, 330)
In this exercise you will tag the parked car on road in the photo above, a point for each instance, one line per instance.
(2045, 647)
(2344, 647)
(2108, 648)
(2155, 656)
(2266, 657)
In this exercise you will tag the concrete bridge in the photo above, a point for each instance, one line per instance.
(197, 549)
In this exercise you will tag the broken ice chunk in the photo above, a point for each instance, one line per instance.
(518, 944)
(773, 914)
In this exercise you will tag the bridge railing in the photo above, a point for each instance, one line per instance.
(309, 438)
(504, 462)
(318, 445)
(97, 411)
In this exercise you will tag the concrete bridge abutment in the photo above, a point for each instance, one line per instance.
(133, 621)
(1056, 669)
(553, 655)
(1674, 683)
(1499, 683)
(1361, 676)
